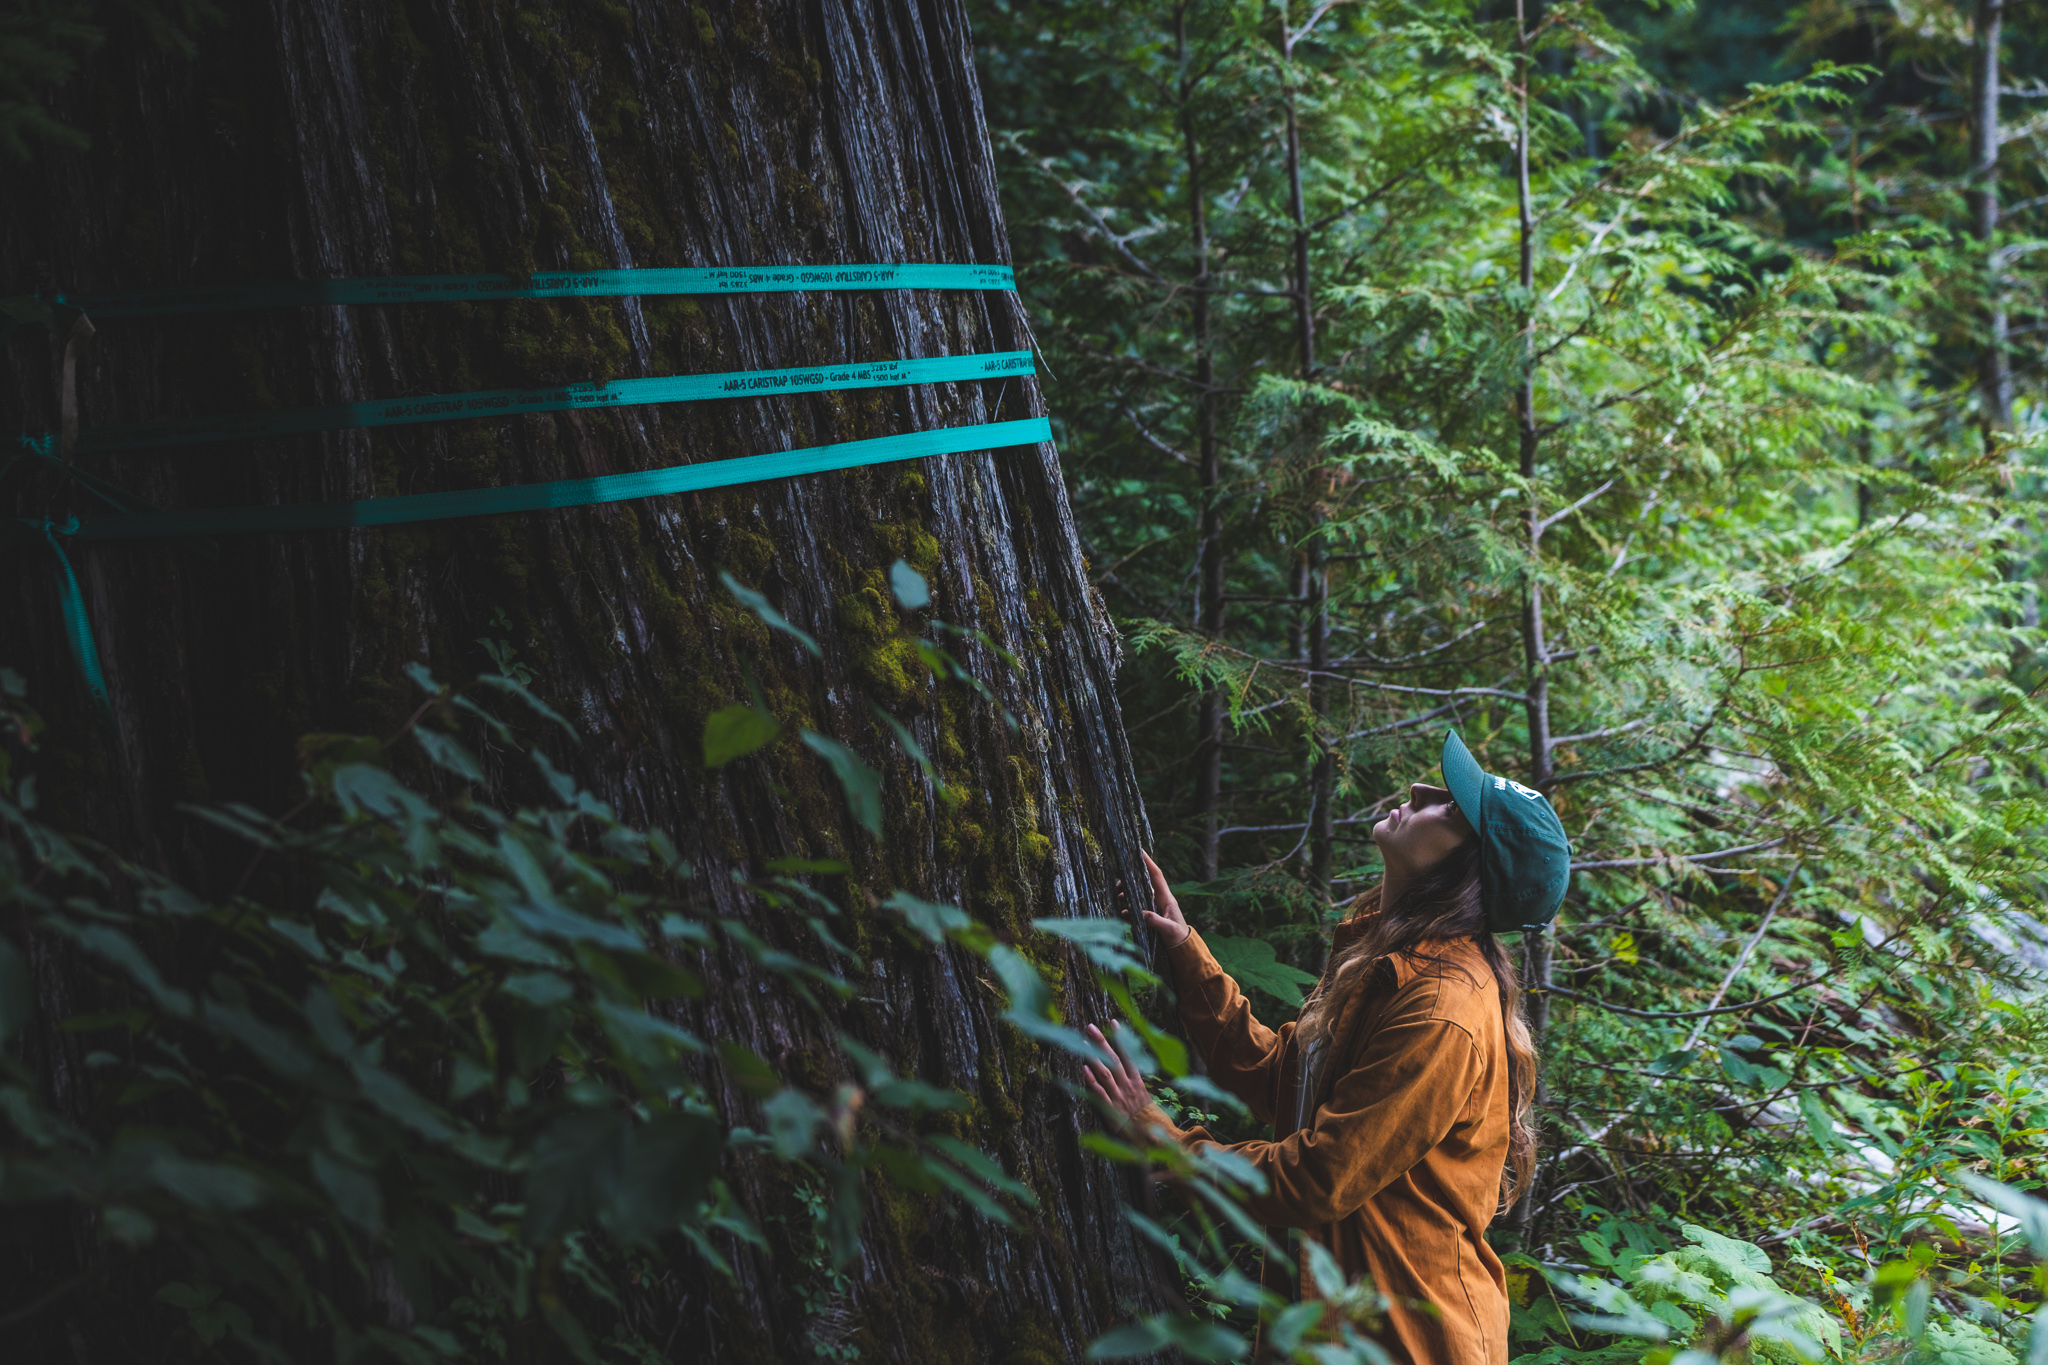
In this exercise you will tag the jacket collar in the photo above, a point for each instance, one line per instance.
(1461, 951)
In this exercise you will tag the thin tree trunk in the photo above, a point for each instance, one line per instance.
(1209, 616)
(1297, 624)
(1994, 367)
(1535, 947)
(1323, 779)
(314, 138)
(1322, 789)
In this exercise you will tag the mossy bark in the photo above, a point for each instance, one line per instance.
(360, 137)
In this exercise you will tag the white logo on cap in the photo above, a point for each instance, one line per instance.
(1502, 784)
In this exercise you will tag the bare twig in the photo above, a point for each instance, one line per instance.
(1742, 958)
(1555, 517)
(1717, 854)
(1145, 434)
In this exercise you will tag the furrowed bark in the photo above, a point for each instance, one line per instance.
(316, 138)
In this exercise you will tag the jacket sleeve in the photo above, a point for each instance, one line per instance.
(1414, 1078)
(1244, 1055)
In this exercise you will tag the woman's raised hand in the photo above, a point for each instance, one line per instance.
(1164, 918)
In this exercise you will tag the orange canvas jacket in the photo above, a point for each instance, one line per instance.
(1399, 1172)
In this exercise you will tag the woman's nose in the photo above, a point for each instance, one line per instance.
(1422, 796)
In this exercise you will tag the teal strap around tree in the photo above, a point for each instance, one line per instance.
(222, 298)
(129, 524)
(482, 502)
(389, 412)
(77, 626)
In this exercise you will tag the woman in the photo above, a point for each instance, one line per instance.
(1400, 1097)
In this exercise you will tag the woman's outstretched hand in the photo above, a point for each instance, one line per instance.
(1118, 1084)
(1164, 918)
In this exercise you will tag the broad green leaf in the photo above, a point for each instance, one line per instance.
(862, 785)
(207, 1184)
(539, 989)
(975, 1196)
(353, 1190)
(668, 1168)
(1729, 1251)
(736, 731)
(937, 923)
(116, 947)
(911, 591)
(979, 1164)
(1251, 963)
(1195, 1338)
(448, 754)
(573, 1173)
(1106, 941)
(1031, 1008)
(362, 789)
(515, 688)
(2029, 1212)
(1819, 1123)
(402, 1102)
(554, 920)
(763, 608)
(793, 1121)
(301, 936)
(278, 1049)
(500, 939)
(911, 748)
(1960, 1342)
(751, 1074)
(647, 1040)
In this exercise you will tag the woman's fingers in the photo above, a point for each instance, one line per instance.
(1163, 901)
(1104, 1088)
(1162, 894)
(1102, 1096)
(1117, 1081)
(1110, 1054)
(1171, 932)
(1134, 1079)
(1164, 918)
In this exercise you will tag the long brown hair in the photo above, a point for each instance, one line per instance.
(1442, 903)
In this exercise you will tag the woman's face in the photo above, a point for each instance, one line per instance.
(1417, 836)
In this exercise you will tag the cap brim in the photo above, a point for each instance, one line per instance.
(1464, 780)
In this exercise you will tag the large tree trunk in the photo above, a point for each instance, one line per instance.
(315, 138)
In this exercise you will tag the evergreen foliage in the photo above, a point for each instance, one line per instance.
(419, 1092)
(1679, 482)
(417, 1089)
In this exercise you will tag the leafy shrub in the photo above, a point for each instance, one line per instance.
(429, 1086)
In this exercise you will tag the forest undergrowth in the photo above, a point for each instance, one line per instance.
(423, 1085)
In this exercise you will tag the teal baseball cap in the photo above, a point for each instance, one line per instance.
(1525, 861)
